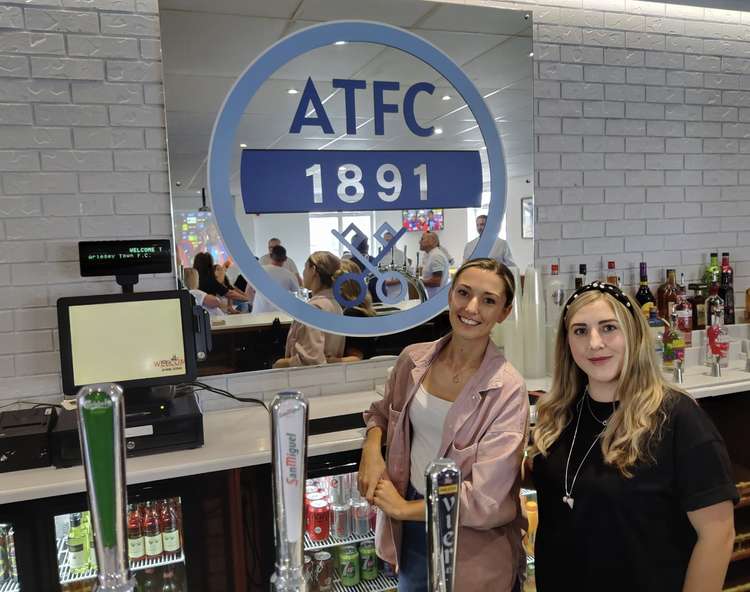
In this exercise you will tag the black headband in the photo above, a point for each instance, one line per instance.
(604, 288)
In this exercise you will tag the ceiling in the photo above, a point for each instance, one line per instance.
(207, 45)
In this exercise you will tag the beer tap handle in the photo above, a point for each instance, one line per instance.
(289, 451)
(101, 427)
(442, 495)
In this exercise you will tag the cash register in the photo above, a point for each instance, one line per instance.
(143, 341)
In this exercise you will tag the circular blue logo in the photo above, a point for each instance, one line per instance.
(222, 146)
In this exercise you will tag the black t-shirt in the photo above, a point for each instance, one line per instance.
(627, 534)
(210, 285)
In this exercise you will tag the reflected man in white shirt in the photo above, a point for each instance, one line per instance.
(500, 251)
(435, 270)
(288, 264)
(280, 275)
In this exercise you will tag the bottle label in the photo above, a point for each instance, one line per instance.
(136, 548)
(171, 541)
(154, 545)
(77, 557)
(701, 310)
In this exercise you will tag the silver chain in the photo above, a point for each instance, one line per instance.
(568, 493)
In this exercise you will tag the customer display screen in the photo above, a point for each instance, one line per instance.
(126, 257)
(118, 341)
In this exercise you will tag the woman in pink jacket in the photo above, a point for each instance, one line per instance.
(458, 398)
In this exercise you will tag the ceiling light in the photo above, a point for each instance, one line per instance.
(438, 130)
(243, 145)
(292, 91)
(531, 55)
(340, 43)
(447, 97)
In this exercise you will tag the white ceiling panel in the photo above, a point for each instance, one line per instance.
(403, 13)
(283, 9)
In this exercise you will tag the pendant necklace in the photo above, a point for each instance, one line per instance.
(568, 497)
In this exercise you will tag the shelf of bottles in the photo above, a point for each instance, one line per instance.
(8, 570)
(154, 540)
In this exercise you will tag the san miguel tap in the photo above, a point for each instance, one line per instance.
(101, 419)
(289, 447)
(442, 495)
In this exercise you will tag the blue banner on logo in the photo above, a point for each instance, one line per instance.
(283, 181)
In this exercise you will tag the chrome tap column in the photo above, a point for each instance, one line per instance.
(101, 426)
(443, 486)
(289, 442)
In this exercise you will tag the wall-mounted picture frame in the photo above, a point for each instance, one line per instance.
(527, 217)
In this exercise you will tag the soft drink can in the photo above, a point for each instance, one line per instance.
(360, 518)
(368, 561)
(318, 520)
(341, 521)
(349, 569)
(373, 517)
(307, 573)
(323, 577)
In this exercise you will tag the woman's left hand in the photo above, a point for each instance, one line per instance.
(388, 499)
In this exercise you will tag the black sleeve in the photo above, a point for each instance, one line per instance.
(211, 286)
(703, 470)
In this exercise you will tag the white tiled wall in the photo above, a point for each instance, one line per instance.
(642, 140)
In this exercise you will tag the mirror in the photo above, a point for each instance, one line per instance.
(331, 92)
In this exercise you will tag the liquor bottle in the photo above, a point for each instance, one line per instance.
(78, 559)
(666, 295)
(88, 531)
(168, 584)
(712, 268)
(657, 326)
(726, 289)
(152, 532)
(684, 311)
(674, 344)
(716, 333)
(580, 279)
(698, 302)
(643, 296)
(169, 531)
(136, 541)
(555, 296)
(612, 277)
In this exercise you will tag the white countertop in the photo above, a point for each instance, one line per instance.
(233, 438)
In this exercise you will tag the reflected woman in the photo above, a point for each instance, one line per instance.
(305, 345)
(355, 348)
(633, 480)
(458, 398)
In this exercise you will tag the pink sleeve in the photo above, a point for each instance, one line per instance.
(308, 348)
(488, 497)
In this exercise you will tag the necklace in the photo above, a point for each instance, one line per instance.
(604, 422)
(568, 497)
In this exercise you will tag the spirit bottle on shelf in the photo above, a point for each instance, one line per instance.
(612, 277)
(726, 289)
(643, 296)
(136, 541)
(657, 327)
(716, 333)
(713, 268)
(169, 530)
(666, 295)
(674, 344)
(698, 302)
(580, 279)
(152, 532)
(78, 560)
(684, 311)
(555, 296)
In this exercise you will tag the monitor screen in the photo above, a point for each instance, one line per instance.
(140, 339)
(421, 220)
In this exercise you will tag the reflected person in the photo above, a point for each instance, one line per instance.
(288, 264)
(280, 275)
(458, 398)
(500, 251)
(355, 348)
(305, 345)
(435, 268)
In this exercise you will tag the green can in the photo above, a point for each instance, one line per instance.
(368, 561)
(349, 566)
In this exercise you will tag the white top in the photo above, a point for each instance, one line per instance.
(500, 251)
(434, 262)
(288, 264)
(285, 278)
(200, 296)
(427, 415)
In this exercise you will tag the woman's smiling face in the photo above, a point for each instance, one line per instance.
(476, 302)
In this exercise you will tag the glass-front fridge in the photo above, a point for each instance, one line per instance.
(9, 580)
(155, 547)
(340, 536)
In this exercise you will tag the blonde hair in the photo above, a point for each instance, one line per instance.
(326, 264)
(641, 391)
(191, 278)
(350, 288)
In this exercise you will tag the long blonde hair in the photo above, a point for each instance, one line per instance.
(641, 391)
(350, 288)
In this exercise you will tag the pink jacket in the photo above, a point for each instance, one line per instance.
(307, 346)
(485, 432)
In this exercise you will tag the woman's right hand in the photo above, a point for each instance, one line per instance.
(371, 468)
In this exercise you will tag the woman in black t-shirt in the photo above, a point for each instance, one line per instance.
(204, 264)
(634, 483)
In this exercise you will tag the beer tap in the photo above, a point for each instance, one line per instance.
(442, 495)
(289, 450)
(101, 419)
